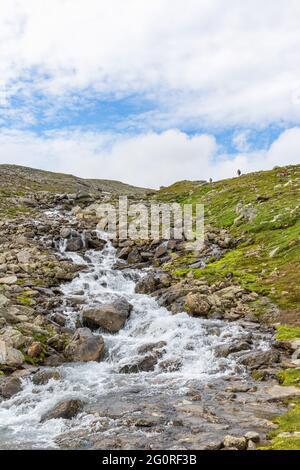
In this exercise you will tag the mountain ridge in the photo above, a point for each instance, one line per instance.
(55, 181)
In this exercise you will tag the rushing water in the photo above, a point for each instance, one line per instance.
(191, 341)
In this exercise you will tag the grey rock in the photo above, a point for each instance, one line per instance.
(74, 244)
(146, 364)
(10, 386)
(41, 377)
(66, 409)
(65, 232)
(251, 445)
(257, 359)
(109, 317)
(161, 250)
(12, 337)
(123, 254)
(225, 350)
(196, 304)
(23, 257)
(151, 347)
(134, 256)
(3, 301)
(85, 346)
(8, 280)
(54, 360)
(252, 436)
(239, 443)
(10, 357)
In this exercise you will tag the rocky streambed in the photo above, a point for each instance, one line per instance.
(116, 362)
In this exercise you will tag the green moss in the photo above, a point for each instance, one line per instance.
(288, 423)
(24, 298)
(42, 338)
(40, 358)
(33, 282)
(34, 360)
(287, 332)
(283, 443)
(289, 377)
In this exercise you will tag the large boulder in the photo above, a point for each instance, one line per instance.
(257, 359)
(93, 241)
(153, 282)
(66, 409)
(239, 443)
(109, 317)
(147, 284)
(84, 346)
(196, 304)
(74, 244)
(10, 386)
(10, 357)
(12, 337)
(42, 377)
(225, 349)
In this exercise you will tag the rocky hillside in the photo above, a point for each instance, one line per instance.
(261, 211)
(21, 188)
(247, 272)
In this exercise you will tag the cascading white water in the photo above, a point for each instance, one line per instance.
(191, 341)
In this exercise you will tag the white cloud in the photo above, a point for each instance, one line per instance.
(149, 159)
(240, 141)
(202, 61)
(202, 64)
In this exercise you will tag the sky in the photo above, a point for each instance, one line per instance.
(150, 92)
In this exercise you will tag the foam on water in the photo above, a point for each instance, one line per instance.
(191, 341)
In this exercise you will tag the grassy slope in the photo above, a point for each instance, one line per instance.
(275, 227)
(287, 434)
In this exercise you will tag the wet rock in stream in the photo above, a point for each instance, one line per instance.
(109, 317)
(85, 346)
(66, 409)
